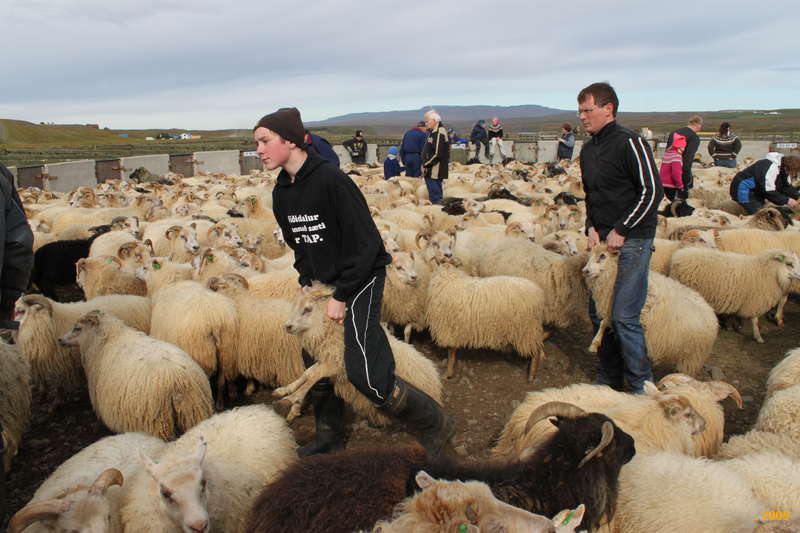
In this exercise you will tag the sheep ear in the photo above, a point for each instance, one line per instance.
(650, 389)
(193, 225)
(472, 513)
(172, 232)
(781, 258)
(424, 480)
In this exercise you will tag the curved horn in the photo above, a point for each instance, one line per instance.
(723, 390)
(605, 440)
(34, 512)
(549, 409)
(110, 476)
(670, 380)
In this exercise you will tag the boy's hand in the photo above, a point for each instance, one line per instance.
(335, 310)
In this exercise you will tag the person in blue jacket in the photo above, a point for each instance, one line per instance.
(322, 147)
(391, 166)
(411, 149)
(767, 179)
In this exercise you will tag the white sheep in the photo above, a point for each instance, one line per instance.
(201, 322)
(680, 327)
(208, 479)
(15, 400)
(659, 261)
(323, 339)
(773, 477)
(785, 374)
(43, 321)
(781, 413)
(659, 420)
(136, 382)
(496, 313)
(103, 275)
(745, 285)
(109, 243)
(405, 293)
(667, 492)
(84, 492)
(757, 441)
(264, 350)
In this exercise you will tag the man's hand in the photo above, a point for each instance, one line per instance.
(335, 310)
(614, 241)
(792, 203)
(594, 239)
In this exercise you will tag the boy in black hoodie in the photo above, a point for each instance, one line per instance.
(327, 223)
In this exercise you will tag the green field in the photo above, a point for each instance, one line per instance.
(24, 143)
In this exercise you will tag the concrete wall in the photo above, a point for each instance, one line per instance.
(372, 154)
(526, 152)
(155, 164)
(13, 171)
(344, 155)
(249, 161)
(70, 175)
(224, 161)
(755, 149)
(548, 150)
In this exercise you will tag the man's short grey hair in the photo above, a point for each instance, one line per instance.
(696, 119)
(432, 114)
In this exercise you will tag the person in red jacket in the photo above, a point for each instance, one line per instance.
(328, 225)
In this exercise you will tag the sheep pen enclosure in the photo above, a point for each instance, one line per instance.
(482, 395)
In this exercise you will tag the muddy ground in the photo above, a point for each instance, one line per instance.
(482, 395)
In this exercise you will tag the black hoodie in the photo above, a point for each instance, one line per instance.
(326, 221)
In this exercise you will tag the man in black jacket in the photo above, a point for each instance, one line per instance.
(622, 192)
(357, 148)
(435, 156)
(479, 138)
(16, 256)
(327, 223)
(692, 144)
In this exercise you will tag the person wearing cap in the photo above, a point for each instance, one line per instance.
(411, 149)
(357, 148)
(495, 135)
(335, 242)
(479, 138)
(435, 156)
(322, 147)
(391, 166)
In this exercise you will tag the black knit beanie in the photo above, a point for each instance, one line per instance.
(287, 123)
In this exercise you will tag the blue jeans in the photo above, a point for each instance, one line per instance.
(623, 352)
(728, 163)
(434, 190)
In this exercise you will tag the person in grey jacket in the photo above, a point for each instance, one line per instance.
(566, 143)
(16, 256)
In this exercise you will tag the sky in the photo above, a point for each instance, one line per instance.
(210, 64)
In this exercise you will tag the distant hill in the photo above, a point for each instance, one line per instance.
(450, 113)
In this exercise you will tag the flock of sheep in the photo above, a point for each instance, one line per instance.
(190, 288)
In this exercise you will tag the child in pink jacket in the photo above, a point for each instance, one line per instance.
(672, 167)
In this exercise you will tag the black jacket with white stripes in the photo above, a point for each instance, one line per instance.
(621, 182)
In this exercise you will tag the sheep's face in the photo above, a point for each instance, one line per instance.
(791, 262)
(441, 244)
(251, 242)
(148, 267)
(29, 307)
(134, 254)
(182, 490)
(253, 261)
(403, 267)
(277, 234)
(389, 243)
(599, 260)
(129, 224)
(473, 207)
(85, 324)
(301, 318)
(224, 234)
(525, 230)
(677, 409)
(186, 235)
(706, 238)
(469, 507)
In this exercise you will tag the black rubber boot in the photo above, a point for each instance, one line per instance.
(328, 418)
(410, 405)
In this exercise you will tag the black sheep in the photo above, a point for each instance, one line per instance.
(351, 490)
(54, 263)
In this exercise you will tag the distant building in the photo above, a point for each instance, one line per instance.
(186, 135)
(95, 126)
(149, 139)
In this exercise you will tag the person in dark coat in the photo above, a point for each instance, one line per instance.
(435, 156)
(16, 256)
(411, 149)
(391, 166)
(622, 192)
(322, 147)
(566, 143)
(724, 147)
(357, 148)
(767, 179)
(692, 144)
(335, 241)
(479, 138)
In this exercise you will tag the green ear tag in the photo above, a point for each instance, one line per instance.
(253, 201)
(462, 528)
(568, 518)
(210, 258)
(156, 265)
(109, 260)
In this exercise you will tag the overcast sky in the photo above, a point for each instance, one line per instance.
(218, 64)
